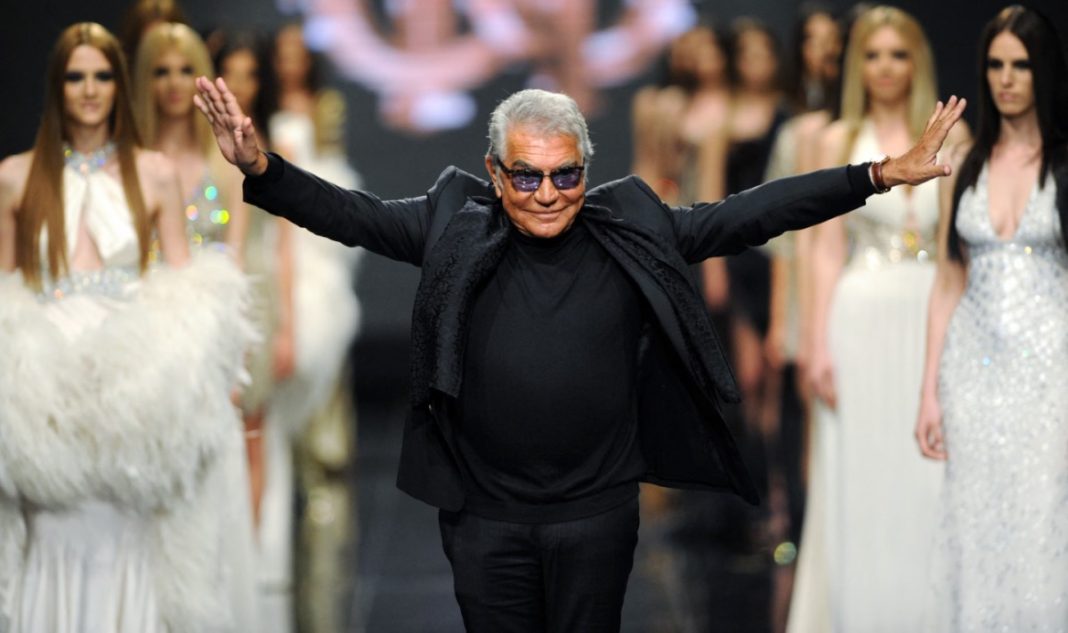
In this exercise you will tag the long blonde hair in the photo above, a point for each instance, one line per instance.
(41, 206)
(924, 89)
(160, 39)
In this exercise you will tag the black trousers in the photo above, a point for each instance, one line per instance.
(566, 577)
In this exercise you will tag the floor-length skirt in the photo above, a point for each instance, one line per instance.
(881, 494)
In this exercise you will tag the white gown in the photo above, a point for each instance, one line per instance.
(1004, 532)
(327, 317)
(114, 412)
(874, 496)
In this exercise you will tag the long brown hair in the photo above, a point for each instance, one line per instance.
(42, 202)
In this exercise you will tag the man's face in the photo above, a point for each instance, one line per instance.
(546, 211)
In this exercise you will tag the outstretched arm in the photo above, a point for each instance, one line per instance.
(759, 214)
(393, 228)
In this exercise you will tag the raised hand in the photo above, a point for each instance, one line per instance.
(233, 130)
(920, 164)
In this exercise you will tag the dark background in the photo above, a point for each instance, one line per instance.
(395, 164)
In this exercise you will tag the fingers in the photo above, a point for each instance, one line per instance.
(230, 105)
(825, 390)
(212, 97)
(934, 116)
(953, 111)
(208, 101)
(929, 437)
(203, 107)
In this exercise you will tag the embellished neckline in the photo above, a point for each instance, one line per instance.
(88, 163)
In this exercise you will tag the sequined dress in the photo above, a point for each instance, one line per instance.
(207, 224)
(873, 497)
(113, 416)
(1004, 533)
(206, 217)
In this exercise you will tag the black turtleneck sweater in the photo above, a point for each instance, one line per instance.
(547, 426)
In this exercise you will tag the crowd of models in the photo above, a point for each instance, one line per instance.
(173, 359)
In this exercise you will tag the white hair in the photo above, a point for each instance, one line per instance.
(545, 113)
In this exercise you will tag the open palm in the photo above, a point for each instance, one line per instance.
(233, 130)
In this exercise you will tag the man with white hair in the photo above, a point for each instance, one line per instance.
(560, 352)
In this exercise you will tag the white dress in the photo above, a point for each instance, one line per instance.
(326, 317)
(874, 502)
(1004, 529)
(114, 410)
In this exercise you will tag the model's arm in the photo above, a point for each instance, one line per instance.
(712, 185)
(284, 344)
(808, 158)
(237, 228)
(827, 257)
(950, 279)
(163, 197)
(753, 217)
(395, 228)
(13, 173)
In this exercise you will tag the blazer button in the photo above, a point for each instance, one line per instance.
(430, 408)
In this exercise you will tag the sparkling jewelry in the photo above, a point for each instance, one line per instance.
(88, 163)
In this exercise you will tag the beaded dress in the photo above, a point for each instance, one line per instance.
(1005, 410)
(206, 227)
(873, 498)
(206, 217)
(114, 410)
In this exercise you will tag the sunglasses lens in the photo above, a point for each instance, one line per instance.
(525, 181)
(567, 178)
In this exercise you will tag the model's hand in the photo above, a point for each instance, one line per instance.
(929, 429)
(775, 345)
(233, 130)
(920, 164)
(283, 354)
(821, 376)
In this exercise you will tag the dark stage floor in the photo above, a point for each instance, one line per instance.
(682, 582)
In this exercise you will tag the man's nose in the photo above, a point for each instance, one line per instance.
(546, 193)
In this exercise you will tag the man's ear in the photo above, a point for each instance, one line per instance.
(491, 169)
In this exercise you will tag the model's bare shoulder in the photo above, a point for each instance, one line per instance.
(158, 176)
(154, 166)
(809, 125)
(834, 136)
(958, 142)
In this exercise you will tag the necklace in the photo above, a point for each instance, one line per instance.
(88, 163)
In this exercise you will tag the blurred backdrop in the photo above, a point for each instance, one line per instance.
(420, 77)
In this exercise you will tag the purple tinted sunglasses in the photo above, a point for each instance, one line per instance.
(528, 180)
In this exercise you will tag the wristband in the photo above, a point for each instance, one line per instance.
(877, 176)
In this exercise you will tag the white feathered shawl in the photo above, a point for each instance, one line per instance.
(134, 411)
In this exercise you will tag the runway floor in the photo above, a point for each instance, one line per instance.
(402, 581)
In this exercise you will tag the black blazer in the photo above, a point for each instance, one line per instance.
(683, 438)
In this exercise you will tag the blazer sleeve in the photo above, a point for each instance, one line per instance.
(394, 228)
(754, 216)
